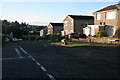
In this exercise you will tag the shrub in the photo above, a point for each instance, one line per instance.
(55, 36)
(47, 37)
(29, 37)
(117, 33)
(82, 36)
(102, 34)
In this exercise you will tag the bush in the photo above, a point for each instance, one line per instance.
(55, 36)
(47, 37)
(117, 33)
(82, 36)
(29, 37)
(102, 34)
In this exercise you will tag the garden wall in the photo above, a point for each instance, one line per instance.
(97, 39)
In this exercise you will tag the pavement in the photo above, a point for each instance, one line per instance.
(34, 59)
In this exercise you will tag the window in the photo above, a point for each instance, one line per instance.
(98, 16)
(66, 32)
(65, 23)
(84, 24)
(71, 23)
(71, 31)
(110, 15)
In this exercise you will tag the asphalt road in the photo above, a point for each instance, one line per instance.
(33, 59)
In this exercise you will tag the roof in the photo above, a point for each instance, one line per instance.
(109, 7)
(56, 24)
(81, 17)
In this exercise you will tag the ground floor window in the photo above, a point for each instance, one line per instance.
(110, 30)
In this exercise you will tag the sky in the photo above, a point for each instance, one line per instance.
(42, 13)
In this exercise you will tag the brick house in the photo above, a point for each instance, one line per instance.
(54, 28)
(106, 19)
(76, 23)
(109, 18)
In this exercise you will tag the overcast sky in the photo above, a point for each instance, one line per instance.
(41, 13)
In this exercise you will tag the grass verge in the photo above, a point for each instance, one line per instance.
(74, 44)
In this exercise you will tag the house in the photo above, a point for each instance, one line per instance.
(54, 28)
(43, 32)
(109, 18)
(76, 23)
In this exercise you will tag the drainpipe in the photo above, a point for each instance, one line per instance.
(90, 35)
(118, 8)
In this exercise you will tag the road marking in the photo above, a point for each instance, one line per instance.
(7, 58)
(24, 51)
(33, 59)
(37, 63)
(43, 68)
(12, 58)
(18, 53)
(50, 76)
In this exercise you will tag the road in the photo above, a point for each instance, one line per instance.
(33, 59)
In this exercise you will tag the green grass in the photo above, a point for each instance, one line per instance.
(74, 44)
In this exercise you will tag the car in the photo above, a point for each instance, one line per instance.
(14, 39)
(73, 35)
(7, 39)
(19, 39)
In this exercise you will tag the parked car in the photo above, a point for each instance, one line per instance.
(82, 36)
(73, 35)
(19, 39)
(14, 39)
(7, 39)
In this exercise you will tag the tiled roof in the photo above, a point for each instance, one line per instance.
(109, 7)
(81, 17)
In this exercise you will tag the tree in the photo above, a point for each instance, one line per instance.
(5, 27)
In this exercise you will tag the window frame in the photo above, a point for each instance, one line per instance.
(98, 15)
(112, 16)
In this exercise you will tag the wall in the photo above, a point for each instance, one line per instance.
(50, 29)
(68, 27)
(57, 29)
(97, 40)
(79, 27)
(119, 17)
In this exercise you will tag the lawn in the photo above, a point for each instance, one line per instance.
(74, 44)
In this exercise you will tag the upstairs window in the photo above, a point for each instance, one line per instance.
(71, 23)
(98, 16)
(111, 15)
(65, 23)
